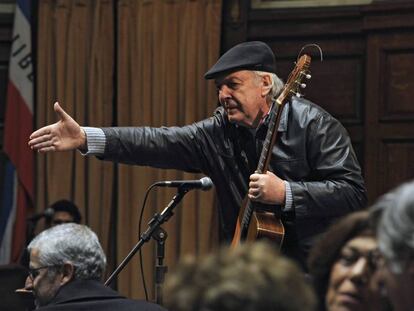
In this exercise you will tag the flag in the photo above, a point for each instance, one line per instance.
(18, 188)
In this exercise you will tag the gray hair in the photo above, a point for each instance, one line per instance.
(71, 243)
(277, 85)
(394, 213)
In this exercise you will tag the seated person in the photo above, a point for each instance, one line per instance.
(66, 266)
(249, 277)
(393, 216)
(342, 265)
(64, 211)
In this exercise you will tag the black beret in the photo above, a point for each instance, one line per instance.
(253, 55)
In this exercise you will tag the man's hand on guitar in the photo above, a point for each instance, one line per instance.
(267, 188)
(66, 134)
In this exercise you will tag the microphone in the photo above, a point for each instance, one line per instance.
(204, 184)
(47, 213)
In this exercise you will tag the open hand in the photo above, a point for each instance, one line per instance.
(66, 134)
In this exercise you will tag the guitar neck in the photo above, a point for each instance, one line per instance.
(266, 153)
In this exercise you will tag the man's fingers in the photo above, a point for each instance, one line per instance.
(40, 132)
(44, 144)
(254, 196)
(46, 149)
(40, 139)
(60, 112)
(254, 177)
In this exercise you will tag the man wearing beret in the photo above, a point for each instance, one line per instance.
(313, 178)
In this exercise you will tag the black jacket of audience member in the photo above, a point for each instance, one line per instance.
(91, 295)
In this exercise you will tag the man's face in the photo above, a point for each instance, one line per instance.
(44, 283)
(351, 287)
(399, 287)
(243, 96)
(61, 217)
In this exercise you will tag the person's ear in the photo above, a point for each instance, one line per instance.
(267, 84)
(68, 273)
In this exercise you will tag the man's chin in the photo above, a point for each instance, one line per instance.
(234, 119)
(41, 302)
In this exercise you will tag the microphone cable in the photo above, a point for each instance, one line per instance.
(141, 215)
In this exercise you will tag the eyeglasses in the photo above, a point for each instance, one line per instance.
(34, 272)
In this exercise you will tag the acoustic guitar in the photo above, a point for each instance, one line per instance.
(256, 220)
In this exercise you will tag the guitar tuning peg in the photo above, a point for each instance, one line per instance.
(298, 95)
(302, 85)
(308, 76)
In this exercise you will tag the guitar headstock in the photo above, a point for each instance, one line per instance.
(294, 82)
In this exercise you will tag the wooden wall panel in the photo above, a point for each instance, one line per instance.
(389, 129)
(397, 67)
(339, 86)
(395, 162)
(342, 86)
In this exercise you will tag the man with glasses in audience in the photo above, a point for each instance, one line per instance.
(66, 267)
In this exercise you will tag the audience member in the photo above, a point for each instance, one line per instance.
(66, 266)
(64, 211)
(342, 265)
(252, 277)
(393, 217)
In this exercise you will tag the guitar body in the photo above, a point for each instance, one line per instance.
(267, 225)
(262, 224)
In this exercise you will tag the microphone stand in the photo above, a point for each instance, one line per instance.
(160, 236)
(156, 221)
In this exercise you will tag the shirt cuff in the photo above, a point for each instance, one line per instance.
(288, 198)
(95, 141)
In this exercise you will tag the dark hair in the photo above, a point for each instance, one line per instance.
(326, 251)
(69, 207)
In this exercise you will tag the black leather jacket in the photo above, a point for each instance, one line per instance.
(313, 153)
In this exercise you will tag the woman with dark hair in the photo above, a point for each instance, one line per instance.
(342, 264)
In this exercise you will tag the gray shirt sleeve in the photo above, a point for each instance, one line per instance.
(288, 198)
(95, 141)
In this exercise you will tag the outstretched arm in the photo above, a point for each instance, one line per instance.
(66, 134)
